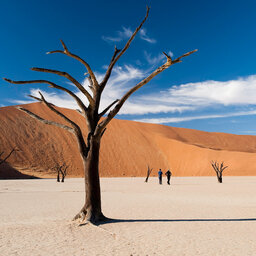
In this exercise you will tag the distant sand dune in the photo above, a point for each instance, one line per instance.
(127, 147)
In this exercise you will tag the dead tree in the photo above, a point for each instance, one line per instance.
(58, 175)
(61, 169)
(218, 168)
(89, 146)
(148, 173)
(57, 170)
(4, 160)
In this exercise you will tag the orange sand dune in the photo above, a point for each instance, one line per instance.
(127, 148)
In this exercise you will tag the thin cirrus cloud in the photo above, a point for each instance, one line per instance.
(144, 36)
(121, 35)
(190, 118)
(126, 33)
(153, 60)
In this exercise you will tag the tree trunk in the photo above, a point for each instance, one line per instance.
(91, 210)
(220, 178)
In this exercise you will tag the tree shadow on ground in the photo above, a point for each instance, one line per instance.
(109, 221)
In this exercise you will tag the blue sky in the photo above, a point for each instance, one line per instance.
(212, 90)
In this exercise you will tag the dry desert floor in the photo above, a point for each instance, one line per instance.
(193, 216)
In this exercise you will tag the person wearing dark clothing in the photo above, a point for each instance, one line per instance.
(160, 174)
(168, 174)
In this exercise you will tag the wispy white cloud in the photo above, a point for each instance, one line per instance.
(209, 93)
(248, 132)
(126, 33)
(144, 36)
(190, 118)
(153, 60)
(121, 35)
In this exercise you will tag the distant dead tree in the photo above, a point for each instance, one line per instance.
(58, 175)
(218, 168)
(148, 173)
(10, 153)
(61, 170)
(89, 146)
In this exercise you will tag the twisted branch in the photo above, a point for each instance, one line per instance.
(107, 108)
(52, 85)
(44, 121)
(70, 78)
(68, 53)
(76, 128)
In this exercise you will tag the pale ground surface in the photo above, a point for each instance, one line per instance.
(193, 216)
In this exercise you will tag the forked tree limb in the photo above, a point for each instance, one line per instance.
(52, 85)
(116, 58)
(68, 53)
(114, 55)
(110, 67)
(222, 167)
(116, 109)
(107, 108)
(70, 78)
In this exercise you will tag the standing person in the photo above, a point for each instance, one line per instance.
(168, 174)
(160, 174)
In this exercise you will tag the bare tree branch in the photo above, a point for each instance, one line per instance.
(2, 161)
(44, 121)
(93, 89)
(70, 78)
(166, 65)
(107, 108)
(116, 58)
(34, 97)
(68, 53)
(114, 55)
(52, 85)
(148, 173)
(76, 128)
(103, 131)
(50, 106)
